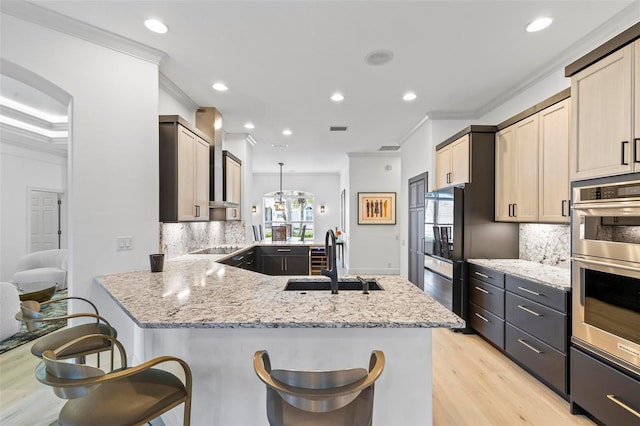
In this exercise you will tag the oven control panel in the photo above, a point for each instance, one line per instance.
(611, 192)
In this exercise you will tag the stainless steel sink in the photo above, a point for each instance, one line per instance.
(346, 284)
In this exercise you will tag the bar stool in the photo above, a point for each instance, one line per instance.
(30, 314)
(126, 396)
(336, 397)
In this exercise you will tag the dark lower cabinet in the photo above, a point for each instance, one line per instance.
(486, 303)
(246, 259)
(536, 356)
(538, 320)
(489, 325)
(283, 260)
(529, 321)
(606, 393)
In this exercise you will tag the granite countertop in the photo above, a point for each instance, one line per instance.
(553, 276)
(198, 292)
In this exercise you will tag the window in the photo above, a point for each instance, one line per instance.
(296, 215)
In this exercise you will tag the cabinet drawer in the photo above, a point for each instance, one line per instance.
(541, 322)
(596, 387)
(487, 296)
(487, 275)
(548, 296)
(284, 251)
(541, 359)
(487, 324)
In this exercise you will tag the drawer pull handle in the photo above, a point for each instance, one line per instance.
(623, 405)
(529, 291)
(481, 275)
(482, 290)
(538, 351)
(281, 250)
(529, 310)
(481, 317)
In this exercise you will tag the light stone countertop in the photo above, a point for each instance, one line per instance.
(198, 292)
(553, 276)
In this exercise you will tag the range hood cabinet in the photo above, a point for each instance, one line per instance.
(209, 121)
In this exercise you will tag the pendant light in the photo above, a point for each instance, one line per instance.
(279, 205)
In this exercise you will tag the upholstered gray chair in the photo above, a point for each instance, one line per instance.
(338, 397)
(44, 265)
(10, 303)
(30, 314)
(126, 396)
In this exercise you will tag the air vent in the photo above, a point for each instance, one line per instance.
(389, 148)
(279, 145)
(338, 128)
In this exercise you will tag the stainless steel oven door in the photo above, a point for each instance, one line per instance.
(610, 230)
(606, 309)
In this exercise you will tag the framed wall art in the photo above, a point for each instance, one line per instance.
(376, 208)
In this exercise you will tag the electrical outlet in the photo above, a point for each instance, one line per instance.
(124, 243)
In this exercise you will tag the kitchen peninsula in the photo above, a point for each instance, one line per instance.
(215, 317)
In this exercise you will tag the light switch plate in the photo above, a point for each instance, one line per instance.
(124, 243)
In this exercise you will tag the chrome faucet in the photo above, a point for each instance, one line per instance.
(331, 258)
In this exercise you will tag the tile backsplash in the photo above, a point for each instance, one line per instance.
(546, 244)
(181, 238)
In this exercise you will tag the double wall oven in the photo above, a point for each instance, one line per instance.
(606, 270)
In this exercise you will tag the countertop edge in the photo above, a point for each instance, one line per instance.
(492, 263)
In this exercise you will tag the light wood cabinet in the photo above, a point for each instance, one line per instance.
(232, 170)
(184, 172)
(602, 143)
(554, 195)
(636, 136)
(452, 163)
(517, 171)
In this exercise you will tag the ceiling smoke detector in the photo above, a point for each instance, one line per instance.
(338, 128)
(389, 148)
(379, 57)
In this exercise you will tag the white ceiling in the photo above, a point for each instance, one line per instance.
(283, 59)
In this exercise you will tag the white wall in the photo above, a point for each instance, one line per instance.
(23, 169)
(373, 249)
(324, 186)
(169, 105)
(113, 162)
(416, 157)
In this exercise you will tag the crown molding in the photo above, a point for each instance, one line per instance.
(172, 89)
(24, 117)
(626, 18)
(24, 138)
(623, 19)
(53, 20)
(374, 154)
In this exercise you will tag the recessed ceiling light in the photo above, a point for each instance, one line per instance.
(539, 24)
(337, 97)
(156, 26)
(409, 96)
(287, 132)
(220, 87)
(249, 126)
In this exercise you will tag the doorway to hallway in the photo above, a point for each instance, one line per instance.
(45, 224)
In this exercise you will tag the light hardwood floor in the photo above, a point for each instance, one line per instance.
(473, 384)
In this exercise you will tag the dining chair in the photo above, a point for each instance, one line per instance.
(334, 397)
(30, 314)
(125, 396)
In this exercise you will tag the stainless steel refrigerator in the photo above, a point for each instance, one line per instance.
(460, 225)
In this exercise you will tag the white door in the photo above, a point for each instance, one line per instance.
(45, 220)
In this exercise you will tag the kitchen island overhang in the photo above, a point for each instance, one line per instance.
(215, 317)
